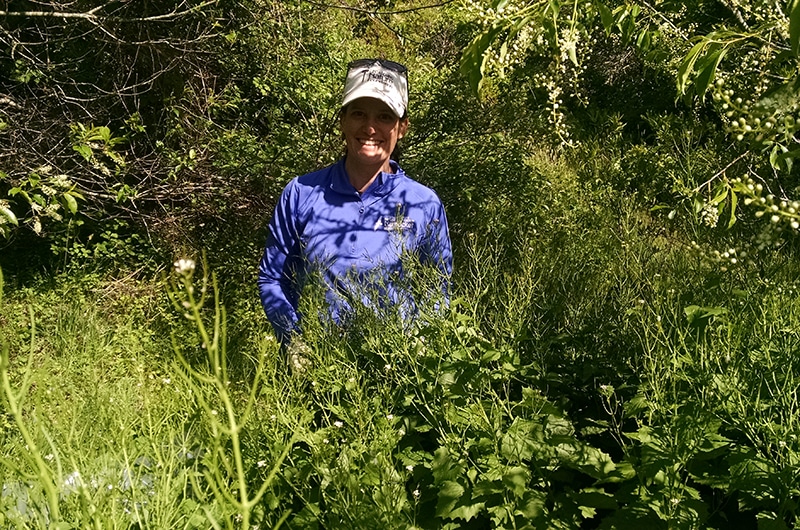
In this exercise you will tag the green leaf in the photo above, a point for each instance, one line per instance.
(734, 202)
(532, 504)
(70, 203)
(596, 499)
(490, 355)
(783, 158)
(443, 466)
(780, 97)
(644, 40)
(722, 193)
(8, 214)
(572, 55)
(586, 458)
(794, 26)
(770, 521)
(773, 155)
(99, 133)
(521, 440)
(487, 488)
(687, 66)
(707, 69)
(467, 510)
(697, 315)
(473, 59)
(84, 150)
(606, 17)
(516, 480)
(449, 493)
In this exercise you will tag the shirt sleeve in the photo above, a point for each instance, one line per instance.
(437, 249)
(277, 283)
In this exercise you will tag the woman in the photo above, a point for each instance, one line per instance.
(356, 220)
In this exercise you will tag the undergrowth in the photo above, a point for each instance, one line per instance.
(591, 370)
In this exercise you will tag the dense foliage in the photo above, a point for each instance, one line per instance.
(619, 350)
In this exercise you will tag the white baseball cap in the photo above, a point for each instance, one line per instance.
(379, 79)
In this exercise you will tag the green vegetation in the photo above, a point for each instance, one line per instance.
(620, 346)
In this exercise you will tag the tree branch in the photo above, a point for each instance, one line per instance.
(376, 12)
(92, 15)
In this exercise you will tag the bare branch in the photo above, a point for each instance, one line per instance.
(376, 12)
(93, 17)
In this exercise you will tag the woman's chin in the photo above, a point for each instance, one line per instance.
(371, 157)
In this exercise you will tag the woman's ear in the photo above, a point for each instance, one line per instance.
(402, 128)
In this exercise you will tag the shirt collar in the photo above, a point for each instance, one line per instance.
(384, 183)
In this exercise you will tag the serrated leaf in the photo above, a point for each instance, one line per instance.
(466, 510)
(487, 488)
(516, 480)
(596, 499)
(443, 466)
(449, 493)
(521, 440)
(532, 505)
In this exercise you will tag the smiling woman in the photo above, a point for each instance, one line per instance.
(353, 222)
(371, 131)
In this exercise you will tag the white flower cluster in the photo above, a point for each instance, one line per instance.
(61, 182)
(184, 267)
(709, 215)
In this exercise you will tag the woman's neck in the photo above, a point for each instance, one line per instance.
(362, 176)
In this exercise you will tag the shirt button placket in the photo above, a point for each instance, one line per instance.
(360, 220)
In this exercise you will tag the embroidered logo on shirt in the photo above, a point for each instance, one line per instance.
(395, 224)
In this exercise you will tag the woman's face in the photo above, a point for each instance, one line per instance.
(371, 130)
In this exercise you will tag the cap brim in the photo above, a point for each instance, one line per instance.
(368, 92)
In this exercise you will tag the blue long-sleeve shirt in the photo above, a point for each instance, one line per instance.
(322, 222)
